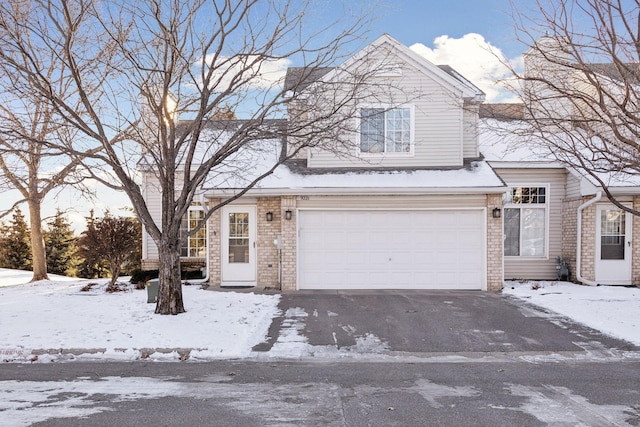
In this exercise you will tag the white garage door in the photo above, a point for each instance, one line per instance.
(391, 249)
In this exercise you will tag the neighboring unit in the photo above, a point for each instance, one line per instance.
(554, 212)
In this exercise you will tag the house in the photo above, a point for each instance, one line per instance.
(433, 189)
(410, 204)
(554, 212)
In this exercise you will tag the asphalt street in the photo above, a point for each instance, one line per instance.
(246, 393)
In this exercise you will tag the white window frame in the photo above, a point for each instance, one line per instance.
(387, 107)
(510, 205)
(187, 243)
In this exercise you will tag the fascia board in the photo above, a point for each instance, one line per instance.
(498, 164)
(215, 193)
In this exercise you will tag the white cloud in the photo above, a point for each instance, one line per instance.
(476, 59)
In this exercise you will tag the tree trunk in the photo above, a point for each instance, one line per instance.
(114, 270)
(38, 250)
(170, 287)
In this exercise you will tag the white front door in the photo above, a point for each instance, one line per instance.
(238, 245)
(613, 246)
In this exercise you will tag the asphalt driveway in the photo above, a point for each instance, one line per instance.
(431, 322)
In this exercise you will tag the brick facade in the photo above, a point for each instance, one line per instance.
(588, 248)
(494, 244)
(268, 231)
(289, 243)
(570, 232)
(589, 238)
(213, 231)
(635, 242)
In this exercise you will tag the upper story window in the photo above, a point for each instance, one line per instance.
(525, 222)
(195, 245)
(386, 130)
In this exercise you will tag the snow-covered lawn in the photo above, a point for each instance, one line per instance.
(614, 310)
(67, 323)
(56, 314)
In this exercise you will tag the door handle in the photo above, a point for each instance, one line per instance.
(629, 243)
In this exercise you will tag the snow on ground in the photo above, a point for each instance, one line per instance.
(18, 277)
(56, 314)
(613, 310)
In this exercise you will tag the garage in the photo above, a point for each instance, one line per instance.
(391, 249)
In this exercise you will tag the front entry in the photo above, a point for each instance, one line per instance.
(613, 246)
(238, 245)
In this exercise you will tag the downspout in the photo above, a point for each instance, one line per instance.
(579, 239)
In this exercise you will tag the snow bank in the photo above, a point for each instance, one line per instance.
(613, 310)
(54, 315)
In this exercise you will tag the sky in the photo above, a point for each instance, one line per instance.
(468, 35)
(415, 21)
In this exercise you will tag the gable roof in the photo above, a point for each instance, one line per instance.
(301, 77)
(502, 111)
(456, 75)
(623, 72)
(510, 144)
(293, 177)
(446, 75)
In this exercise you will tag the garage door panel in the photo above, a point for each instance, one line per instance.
(330, 259)
(391, 249)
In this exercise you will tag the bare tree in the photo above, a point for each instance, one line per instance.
(581, 85)
(27, 163)
(148, 77)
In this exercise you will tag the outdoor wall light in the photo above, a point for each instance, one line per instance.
(496, 213)
(287, 214)
(269, 216)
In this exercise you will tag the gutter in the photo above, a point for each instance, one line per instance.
(579, 239)
(359, 191)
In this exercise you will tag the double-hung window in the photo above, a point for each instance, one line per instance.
(386, 130)
(525, 222)
(195, 245)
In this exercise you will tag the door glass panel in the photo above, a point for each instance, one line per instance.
(612, 239)
(239, 237)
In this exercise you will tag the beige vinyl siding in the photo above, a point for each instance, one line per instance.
(153, 199)
(573, 186)
(392, 202)
(470, 131)
(438, 124)
(539, 268)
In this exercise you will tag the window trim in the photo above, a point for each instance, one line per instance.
(510, 205)
(386, 107)
(187, 242)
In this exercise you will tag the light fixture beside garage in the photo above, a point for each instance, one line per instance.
(496, 213)
(269, 216)
(287, 214)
